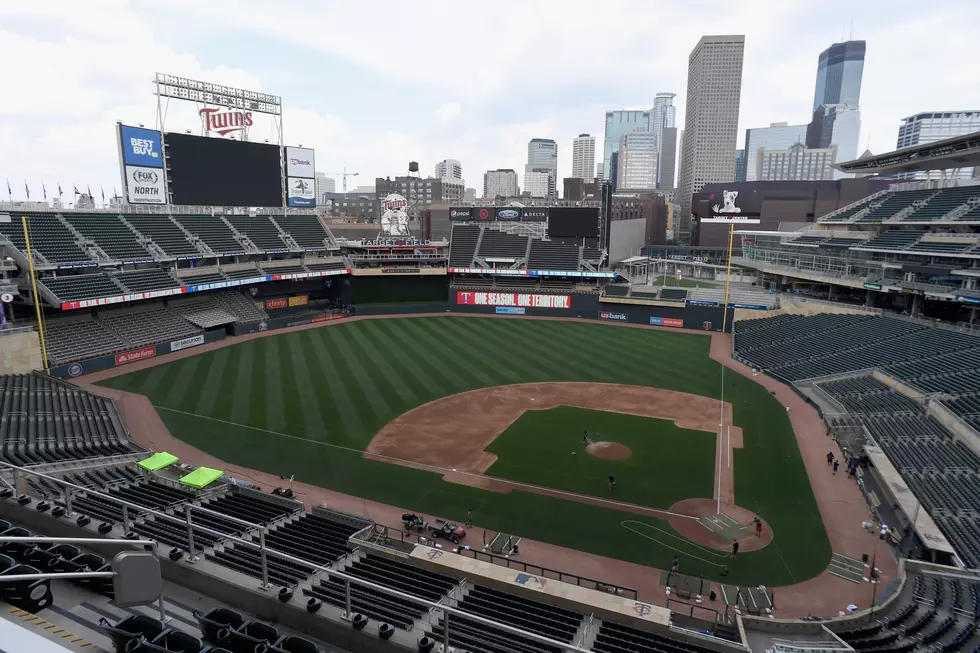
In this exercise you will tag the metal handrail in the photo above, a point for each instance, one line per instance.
(347, 578)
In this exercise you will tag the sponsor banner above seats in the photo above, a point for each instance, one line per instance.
(187, 343)
(299, 162)
(145, 185)
(707, 302)
(120, 299)
(301, 192)
(469, 298)
(275, 303)
(299, 300)
(497, 214)
(140, 147)
(535, 273)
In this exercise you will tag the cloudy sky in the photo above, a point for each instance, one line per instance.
(373, 85)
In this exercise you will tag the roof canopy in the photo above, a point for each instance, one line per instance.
(201, 477)
(947, 154)
(158, 461)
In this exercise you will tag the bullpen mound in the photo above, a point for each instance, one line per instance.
(609, 450)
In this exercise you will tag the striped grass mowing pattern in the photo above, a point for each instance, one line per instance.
(340, 384)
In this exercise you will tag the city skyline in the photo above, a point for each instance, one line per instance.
(464, 112)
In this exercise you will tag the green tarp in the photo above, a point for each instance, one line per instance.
(201, 477)
(158, 461)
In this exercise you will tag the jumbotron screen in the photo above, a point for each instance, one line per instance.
(223, 172)
(573, 222)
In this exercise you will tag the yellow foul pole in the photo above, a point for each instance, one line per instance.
(728, 276)
(37, 298)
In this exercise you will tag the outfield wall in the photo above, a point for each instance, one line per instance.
(140, 353)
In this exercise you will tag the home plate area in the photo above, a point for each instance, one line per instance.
(722, 525)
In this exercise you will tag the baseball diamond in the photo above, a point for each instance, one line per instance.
(310, 403)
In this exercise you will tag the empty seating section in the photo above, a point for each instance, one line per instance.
(164, 233)
(797, 348)
(808, 240)
(972, 215)
(885, 207)
(213, 231)
(550, 255)
(496, 244)
(462, 247)
(285, 269)
(48, 236)
(203, 278)
(110, 234)
(260, 230)
(326, 266)
(673, 294)
(942, 203)
(76, 287)
(72, 339)
(391, 573)
(543, 619)
(865, 394)
(618, 638)
(892, 239)
(147, 280)
(943, 246)
(842, 242)
(306, 230)
(46, 421)
(967, 408)
(616, 290)
(147, 325)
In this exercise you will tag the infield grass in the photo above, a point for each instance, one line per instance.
(667, 463)
(308, 402)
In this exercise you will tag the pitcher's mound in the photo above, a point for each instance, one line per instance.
(609, 450)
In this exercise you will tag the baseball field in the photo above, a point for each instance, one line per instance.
(309, 403)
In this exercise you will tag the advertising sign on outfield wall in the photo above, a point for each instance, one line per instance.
(299, 300)
(511, 310)
(666, 321)
(615, 316)
(466, 297)
(135, 355)
(187, 343)
(279, 302)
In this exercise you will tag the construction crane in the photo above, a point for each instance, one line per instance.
(345, 175)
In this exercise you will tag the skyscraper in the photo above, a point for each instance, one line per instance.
(778, 135)
(795, 163)
(324, 185)
(637, 161)
(739, 165)
(449, 169)
(617, 124)
(835, 124)
(839, 71)
(542, 156)
(667, 160)
(714, 90)
(583, 156)
(502, 181)
(663, 116)
(923, 128)
(537, 184)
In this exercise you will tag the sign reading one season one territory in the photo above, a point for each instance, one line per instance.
(467, 298)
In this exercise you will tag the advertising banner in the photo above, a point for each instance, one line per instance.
(618, 317)
(535, 215)
(511, 310)
(279, 302)
(460, 214)
(299, 162)
(666, 321)
(187, 343)
(508, 213)
(136, 355)
(300, 192)
(967, 300)
(145, 185)
(468, 298)
(141, 147)
(482, 213)
(701, 302)
(299, 300)
(327, 318)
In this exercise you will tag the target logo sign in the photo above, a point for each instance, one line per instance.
(483, 214)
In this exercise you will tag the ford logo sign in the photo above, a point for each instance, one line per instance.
(508, 214)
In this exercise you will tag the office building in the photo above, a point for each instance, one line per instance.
(839, 125)
(501, 182)
(538, 184)
(324, 185)
(714, 90)
(614, 169)
(583, 156)
(923, 128)
(598, 170)
(617, 124)
(469, 194)
(739, 165)
(637, 161)
(449, 169)
(663, 117)
(421, 192)
(777, 136)
(667, 159)
(542, 156)
(795, 163)
(840, 69)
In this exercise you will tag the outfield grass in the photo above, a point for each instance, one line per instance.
(307, 402)
(538, 446)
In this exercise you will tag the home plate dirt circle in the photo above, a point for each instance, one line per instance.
(609, 450)
(735, 521)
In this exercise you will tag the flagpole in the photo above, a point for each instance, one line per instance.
(37, 300)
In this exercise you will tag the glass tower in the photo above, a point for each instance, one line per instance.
(839, 71)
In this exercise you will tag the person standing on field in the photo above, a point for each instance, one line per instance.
(612, 481)
(734, 548)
